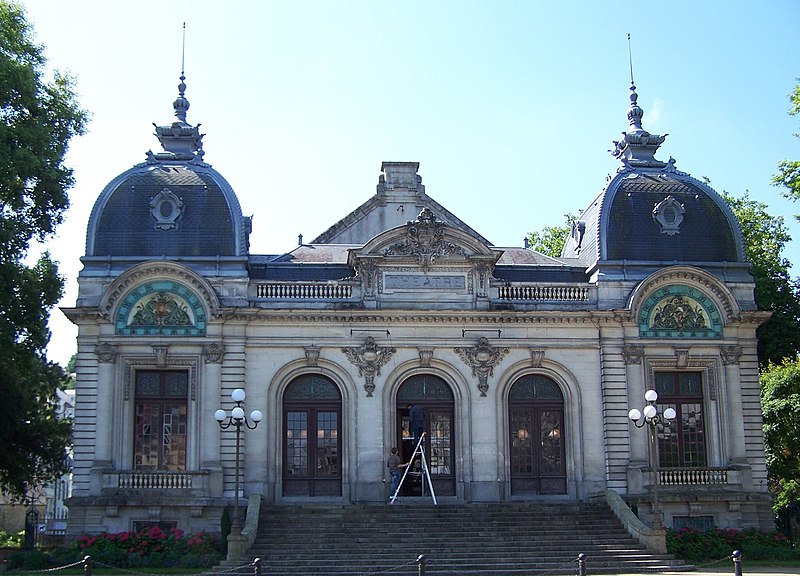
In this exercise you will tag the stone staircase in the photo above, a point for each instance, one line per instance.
(486, 539)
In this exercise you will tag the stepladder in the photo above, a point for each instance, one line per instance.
(423, 471)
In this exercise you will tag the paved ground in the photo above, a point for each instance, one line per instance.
(721, 569)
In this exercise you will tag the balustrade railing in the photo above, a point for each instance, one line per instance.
(303, 291)
(544, 292)
(692, 476)
(156, 480)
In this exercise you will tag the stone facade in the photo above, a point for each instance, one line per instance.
(526, 365)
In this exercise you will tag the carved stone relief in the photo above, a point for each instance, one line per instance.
(369, 358)
(312, 355)
(669, 215)
(632, 354)
(160, 352)
(682, 355)
(213, 352)
(106, 352)
(536, 357)
(425, 357)
(482, 358)
(730, 354)
(425, 239)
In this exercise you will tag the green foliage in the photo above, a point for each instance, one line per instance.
(37, 120)
(780, 405)
(551, 239)
(765, 237)
(788, 174)
(150, 547)
(225, 524)
(693, 544)
(28, 559)
(10, 539)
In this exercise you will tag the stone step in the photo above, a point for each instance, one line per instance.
(490, 539)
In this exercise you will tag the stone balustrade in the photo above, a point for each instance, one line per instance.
(693, 476)
(544, 292)
(303, 291)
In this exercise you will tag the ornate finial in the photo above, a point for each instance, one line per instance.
(630, 58)
(180, 140)
(637, 146)
(181, 104)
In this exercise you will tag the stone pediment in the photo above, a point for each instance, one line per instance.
(424, 263)
(425, 241)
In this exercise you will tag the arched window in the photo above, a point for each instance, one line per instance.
(683, 444)
(536, 436)
(312, 414)
(435, 397)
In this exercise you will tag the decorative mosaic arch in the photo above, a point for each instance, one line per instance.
(161, 308)
(679, 311)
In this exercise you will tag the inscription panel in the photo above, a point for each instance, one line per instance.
(424, 282)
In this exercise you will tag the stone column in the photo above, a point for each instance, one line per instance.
(208, 430)
(633, 357)
(732, 394)
(104, 411)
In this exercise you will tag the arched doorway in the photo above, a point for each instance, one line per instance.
(436, 398)
(312, 437)
(536, 436)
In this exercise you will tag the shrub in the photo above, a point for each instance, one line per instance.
(28, 559)
(10, 539)
(693, 544)
(150, 547)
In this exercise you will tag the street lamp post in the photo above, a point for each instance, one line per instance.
(237, 418)
(651, 417)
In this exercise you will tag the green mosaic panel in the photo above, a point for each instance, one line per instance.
(679, 311)
(161, 308)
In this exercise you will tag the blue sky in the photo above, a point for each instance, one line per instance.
(510, 107)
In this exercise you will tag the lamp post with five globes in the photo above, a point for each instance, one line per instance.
(238, 419)
(651, 417)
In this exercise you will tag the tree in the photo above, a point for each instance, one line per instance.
(780, 404)
(551, 239)
(38, 117)
(765, 237)
(789, 170)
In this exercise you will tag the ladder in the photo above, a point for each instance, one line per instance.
(418, 451)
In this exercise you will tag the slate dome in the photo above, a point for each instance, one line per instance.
(172, 205)
(650, 212)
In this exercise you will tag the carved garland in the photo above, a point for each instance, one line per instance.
(482, 358)
(369, 357)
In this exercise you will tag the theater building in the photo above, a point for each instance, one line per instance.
(526, 365)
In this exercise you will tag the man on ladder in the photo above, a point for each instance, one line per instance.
(419, 451)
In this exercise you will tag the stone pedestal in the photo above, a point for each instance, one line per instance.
(237, 544)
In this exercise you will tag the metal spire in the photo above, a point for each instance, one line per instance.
(637, 145)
